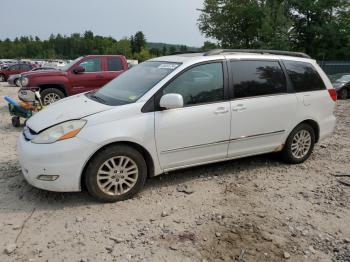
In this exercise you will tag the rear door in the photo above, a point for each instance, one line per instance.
(262, 108)
(91, 79)
(199, 131)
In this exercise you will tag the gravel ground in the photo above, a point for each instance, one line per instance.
(253, 209)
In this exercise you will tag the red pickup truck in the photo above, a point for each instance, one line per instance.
(83, 74)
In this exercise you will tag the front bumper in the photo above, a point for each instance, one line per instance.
(65, 159)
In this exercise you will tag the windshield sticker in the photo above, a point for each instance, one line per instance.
(168, 66)
(132, 98)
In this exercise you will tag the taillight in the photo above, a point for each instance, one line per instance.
(332, 94)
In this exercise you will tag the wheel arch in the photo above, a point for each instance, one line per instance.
(314, 126)
(60, 87)
(145, 153)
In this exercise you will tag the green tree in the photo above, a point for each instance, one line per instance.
(183, 49)
(234, 23)
(143, 55)
(164, 50)
(172, 49)
(320, 28)
(209, 45)
(155, 52)
(274, 30)
(138, 42)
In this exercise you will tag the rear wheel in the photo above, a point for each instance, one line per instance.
(343, 93)
(116, 173)
(2, 78)
(299, 145)
(51, 95)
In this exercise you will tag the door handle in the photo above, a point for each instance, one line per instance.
(99, 77)
(239, 108)
(221, 110)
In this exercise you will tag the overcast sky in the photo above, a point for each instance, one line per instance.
(170, 21)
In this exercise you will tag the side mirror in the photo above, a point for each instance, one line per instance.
(78, 70)
(171, 101)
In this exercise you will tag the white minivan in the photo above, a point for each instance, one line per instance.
(175, 112)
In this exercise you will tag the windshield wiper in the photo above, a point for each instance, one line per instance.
(97, 98)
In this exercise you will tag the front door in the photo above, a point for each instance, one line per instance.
(199, 131)
(92, 78)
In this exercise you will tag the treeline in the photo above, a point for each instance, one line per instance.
(318, 28)
(75, 45)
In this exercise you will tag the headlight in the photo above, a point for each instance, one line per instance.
(59, 132)
(24, 81)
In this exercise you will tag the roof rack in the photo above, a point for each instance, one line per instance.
(256, 51)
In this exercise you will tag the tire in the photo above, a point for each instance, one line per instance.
(343, 93)
(290, 151)
(105, 180)
(2, 78)
(17, 82)
(16, 122)
(51, 95)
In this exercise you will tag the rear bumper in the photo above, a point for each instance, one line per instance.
(327, 127)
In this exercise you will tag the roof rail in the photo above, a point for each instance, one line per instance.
(256, 51)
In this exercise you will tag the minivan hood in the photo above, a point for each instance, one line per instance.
(74, 107)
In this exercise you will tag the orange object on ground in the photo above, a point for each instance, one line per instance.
(26, 106)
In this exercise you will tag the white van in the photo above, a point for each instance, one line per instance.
(175, 112)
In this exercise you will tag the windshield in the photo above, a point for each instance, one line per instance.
(67, 66)
(134, 83)
(344, 78)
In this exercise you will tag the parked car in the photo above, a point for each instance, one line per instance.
(81, 75)
(175, 112)
(16, 79)
(342, 86)
(14, 69)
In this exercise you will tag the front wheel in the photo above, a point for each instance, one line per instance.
(116, 173)
(2, 78)
(51, 95)
(299, 145)
(17, 82)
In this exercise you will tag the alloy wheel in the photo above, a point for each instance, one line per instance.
(301, 144)
(117, 175)
(51, 98)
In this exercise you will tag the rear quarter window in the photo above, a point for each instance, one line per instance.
(303, 76)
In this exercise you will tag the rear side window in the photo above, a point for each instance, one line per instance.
(114, 64)
(304, 76)
(257, 78)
